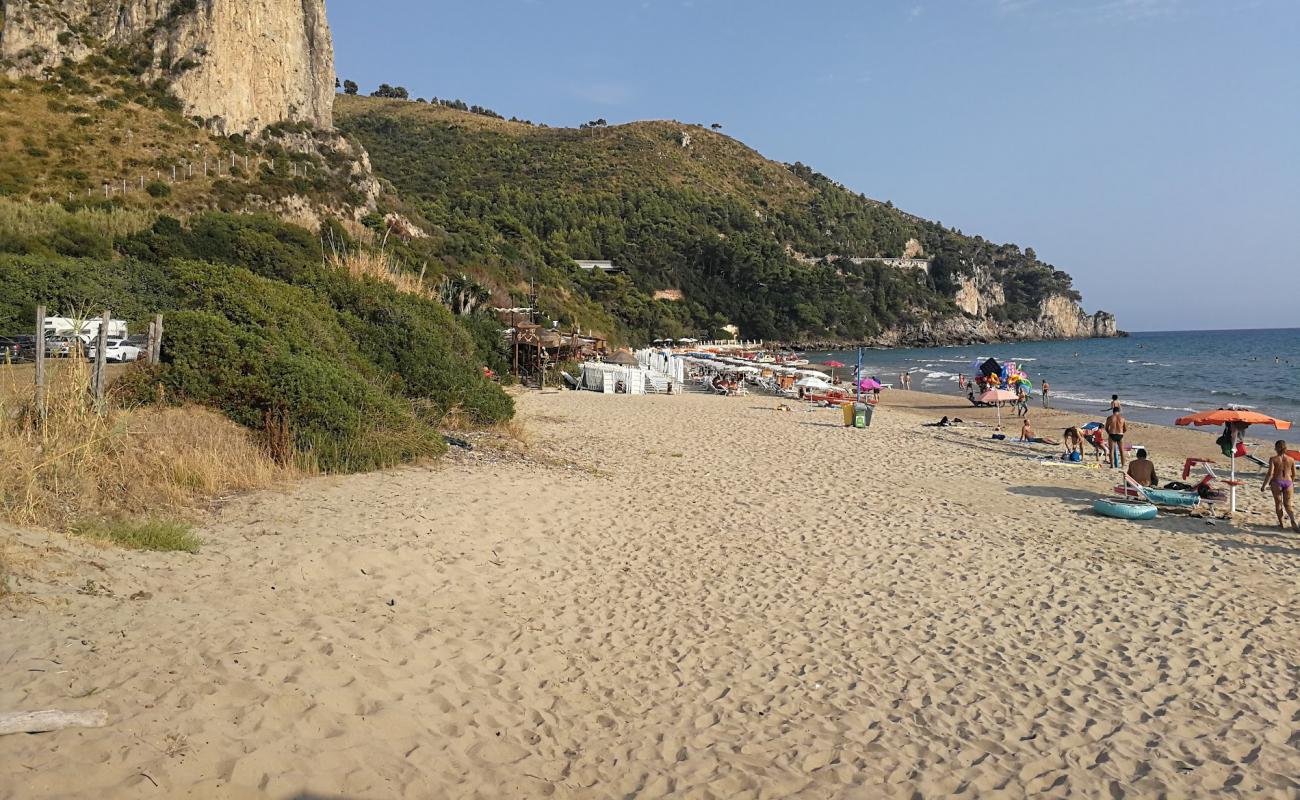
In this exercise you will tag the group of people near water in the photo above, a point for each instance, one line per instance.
(1107, 442)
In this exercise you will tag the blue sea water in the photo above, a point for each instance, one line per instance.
(1158, 376)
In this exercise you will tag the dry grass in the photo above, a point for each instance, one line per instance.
(34, 220)
(377, 263)
(513, 435)
(79, 465)
(46, 139)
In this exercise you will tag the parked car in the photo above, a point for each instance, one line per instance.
(17, 348)
(62, 346)
(119, 350)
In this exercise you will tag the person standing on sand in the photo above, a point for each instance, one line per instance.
(1045, 387)
(1114, 404)
(1281, 480)
(1116, 427)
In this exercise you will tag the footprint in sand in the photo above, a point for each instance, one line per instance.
(497, 752)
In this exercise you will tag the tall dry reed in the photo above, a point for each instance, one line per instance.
(375, 261)
(35, 220)
(74, 463)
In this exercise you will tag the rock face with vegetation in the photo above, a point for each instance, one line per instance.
(708, 234)
(239, 65)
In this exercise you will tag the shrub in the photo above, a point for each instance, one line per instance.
(158, 534)
(343, 374)
(158, 189)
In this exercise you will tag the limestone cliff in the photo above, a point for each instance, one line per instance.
(240, 65)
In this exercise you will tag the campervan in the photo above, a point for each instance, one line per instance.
(84, 329)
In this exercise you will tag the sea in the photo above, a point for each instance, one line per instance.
(1159, 376)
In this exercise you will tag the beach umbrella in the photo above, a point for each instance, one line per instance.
(997, 397)
(869, 384)
(812, 383)
(623, 358)
(1238, 419)
(834, 365)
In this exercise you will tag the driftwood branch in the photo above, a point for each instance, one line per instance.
(43, 721)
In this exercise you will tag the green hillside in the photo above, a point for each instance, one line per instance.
(513, 203)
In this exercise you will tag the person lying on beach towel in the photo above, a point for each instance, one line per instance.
(943, 423)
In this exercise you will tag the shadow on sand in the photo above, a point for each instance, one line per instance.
(1175, 521)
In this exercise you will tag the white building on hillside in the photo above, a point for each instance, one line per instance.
(603, 266)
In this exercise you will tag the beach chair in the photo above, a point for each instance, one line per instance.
(657, 383)
(1169, 498)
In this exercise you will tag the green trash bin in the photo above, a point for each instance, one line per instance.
(862, 415)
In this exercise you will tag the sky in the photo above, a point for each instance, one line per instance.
(1150, 148)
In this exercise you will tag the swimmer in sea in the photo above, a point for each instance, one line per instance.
(1281, 481)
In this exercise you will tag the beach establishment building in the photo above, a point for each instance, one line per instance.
(533, 347)
(602, 266)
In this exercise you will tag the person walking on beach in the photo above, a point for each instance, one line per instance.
(1022, 401)
(1046, 404)
(1116, 427)
(1281, 481)
(1142, 470)
(1114, 404)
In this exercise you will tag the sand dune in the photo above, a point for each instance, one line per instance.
(693, 597)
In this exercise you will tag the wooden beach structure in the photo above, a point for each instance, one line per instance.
(535, 349)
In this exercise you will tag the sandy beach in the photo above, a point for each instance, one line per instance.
(688, 596)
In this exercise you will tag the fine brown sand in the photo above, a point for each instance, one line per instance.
(685, 596)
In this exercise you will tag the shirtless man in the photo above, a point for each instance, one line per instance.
(1026, 431)
(1142, 470)
(1116, 427)
(1281, 480)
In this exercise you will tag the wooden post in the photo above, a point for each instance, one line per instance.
(101, 361)
(514, 340)
(155, 357)
(40, 362)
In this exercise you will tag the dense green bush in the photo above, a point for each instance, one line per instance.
(258, 327)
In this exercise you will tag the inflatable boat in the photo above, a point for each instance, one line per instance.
(1125, 509)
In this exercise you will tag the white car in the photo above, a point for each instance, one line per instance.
(117, 350)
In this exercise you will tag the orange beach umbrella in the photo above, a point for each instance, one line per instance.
(1223, 416)
(1235, 416)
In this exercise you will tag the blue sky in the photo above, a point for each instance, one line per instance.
(1151, 148)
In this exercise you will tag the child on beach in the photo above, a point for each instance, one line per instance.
(1281, 481)
(1099, 449)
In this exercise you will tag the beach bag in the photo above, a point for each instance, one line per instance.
(1225, 443)
(1076, 456)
